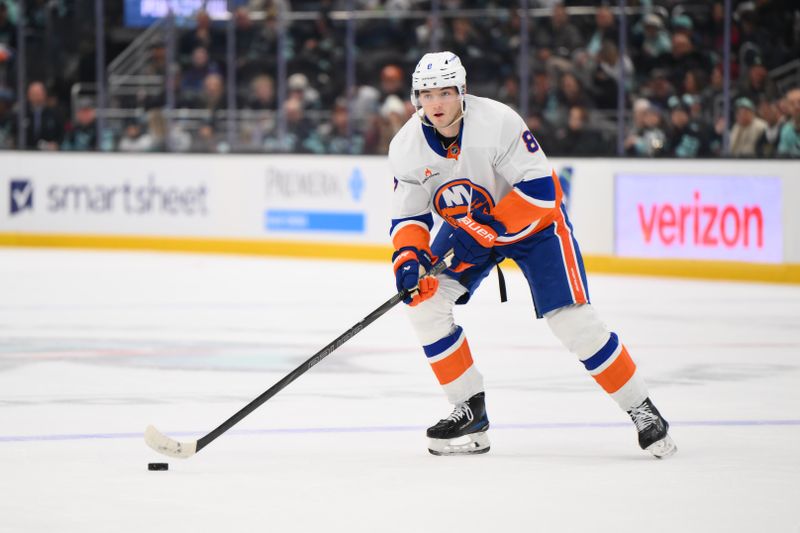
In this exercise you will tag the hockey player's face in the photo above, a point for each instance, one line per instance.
(441, 106)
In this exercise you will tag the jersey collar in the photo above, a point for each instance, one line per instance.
(436, 146)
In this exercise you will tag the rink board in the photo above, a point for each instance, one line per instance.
(708, 219)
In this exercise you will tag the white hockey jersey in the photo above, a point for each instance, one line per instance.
(495, 165)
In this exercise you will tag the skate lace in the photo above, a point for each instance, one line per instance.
(461, 410)
(643, 418)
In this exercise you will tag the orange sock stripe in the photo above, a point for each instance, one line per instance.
(451, 367)
(615, 376)
(411, 235)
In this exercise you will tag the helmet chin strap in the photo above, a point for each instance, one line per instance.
(428, 123)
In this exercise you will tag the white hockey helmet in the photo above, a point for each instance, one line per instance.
(437, 70)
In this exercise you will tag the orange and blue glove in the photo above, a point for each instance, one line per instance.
(410, 265)
(473, 239)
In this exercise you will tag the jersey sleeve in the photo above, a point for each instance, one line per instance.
(535, 194)
(412, 220)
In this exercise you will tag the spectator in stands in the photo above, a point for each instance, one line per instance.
(508, 93)
(319, 54)
(134, 139)
(6, 120)
(262, 94)
(157, 60)
(212, 98)
(258, 126)
(44, 126)
(767, 144)
(605, 30)
(576, 139)
(682, 24)
(656, 43)
(8, 31)
(393, 82)
(789, 142)
(300, 135)
(760, 37)
(571, 94)
(81, 135)
(647, 138)
(558, 35)
(694, 83)
(334, 135)
(393, 115)
(8, 44)
(245, 34)
(685, 137)
(747, 129)
(757, 85)
(193, 78)
(712, 36)
(685, 58)
(261, 59)
(156, 134)
(658, 89)
(208, 140)
(202, 36)
(544, 98)
(301, 89)
(605, 78)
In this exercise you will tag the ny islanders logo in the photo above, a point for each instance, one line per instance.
(454, 199)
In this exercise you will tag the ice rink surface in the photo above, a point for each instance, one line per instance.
(94, 346)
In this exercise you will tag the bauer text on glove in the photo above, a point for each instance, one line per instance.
(474, 239)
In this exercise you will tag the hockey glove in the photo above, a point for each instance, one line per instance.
(409, 265)
(474, 239)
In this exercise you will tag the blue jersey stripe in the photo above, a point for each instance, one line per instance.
(603, 354)
(539, 188)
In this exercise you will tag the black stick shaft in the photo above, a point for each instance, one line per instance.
(310, 362)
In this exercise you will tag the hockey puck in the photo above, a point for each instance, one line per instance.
(157, 466)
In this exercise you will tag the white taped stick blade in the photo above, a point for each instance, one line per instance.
(167, 446)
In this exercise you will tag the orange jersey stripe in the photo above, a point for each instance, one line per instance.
(451, 367)
(516, 213)
(412, 235)
(618, 373)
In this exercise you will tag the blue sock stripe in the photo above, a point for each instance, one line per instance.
(432, 350)
(603, 354)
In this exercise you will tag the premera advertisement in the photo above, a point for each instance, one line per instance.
(734, 218)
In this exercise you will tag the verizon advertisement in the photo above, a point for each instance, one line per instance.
(730, 218)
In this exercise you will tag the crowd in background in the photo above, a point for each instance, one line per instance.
(673, 78)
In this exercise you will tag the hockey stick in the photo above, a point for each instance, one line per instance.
(173, 448)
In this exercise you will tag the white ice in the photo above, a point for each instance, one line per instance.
(94, 346)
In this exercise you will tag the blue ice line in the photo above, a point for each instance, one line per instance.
(389, 429)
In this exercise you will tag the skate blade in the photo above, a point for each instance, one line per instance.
(471, 444)
(663, 448)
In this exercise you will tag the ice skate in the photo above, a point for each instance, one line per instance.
(652, 428)
(463, 432)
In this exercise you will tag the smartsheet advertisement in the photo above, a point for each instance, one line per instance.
(730, 218)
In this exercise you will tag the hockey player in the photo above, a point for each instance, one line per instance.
(473, 162)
